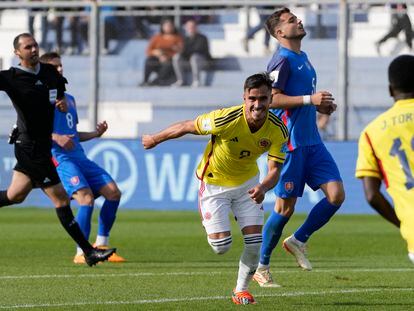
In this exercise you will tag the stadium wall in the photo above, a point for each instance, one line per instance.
(164, 178)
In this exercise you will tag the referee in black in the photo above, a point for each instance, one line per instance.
(35, 90)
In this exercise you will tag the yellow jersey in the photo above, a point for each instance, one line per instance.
(230, 156)
(386, 151)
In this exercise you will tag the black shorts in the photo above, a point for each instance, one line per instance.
(34, 159)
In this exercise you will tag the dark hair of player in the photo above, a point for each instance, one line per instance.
(257, 80)
(47, 57)
(16, 43)
(401, 74)
(273, 21)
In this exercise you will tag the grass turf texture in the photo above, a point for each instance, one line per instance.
(360, 263)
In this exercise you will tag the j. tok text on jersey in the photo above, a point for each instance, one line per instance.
(398, 119)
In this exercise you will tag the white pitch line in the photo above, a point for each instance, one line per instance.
(186, 299)
(145, 274)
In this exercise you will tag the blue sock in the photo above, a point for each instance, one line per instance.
(272, 231)
(83, 218)
(318, 216)
(107, 217)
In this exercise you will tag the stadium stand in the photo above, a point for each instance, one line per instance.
(121, 73)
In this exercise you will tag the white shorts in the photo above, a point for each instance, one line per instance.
(215, 203)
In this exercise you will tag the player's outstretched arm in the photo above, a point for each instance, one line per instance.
(323, 100)
(101, 128)
(258, 192)
(174, 131)
(377, 200)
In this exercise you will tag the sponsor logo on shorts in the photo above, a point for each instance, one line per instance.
(264, 143)
(207, 216)
(289, 185)
(74, 180)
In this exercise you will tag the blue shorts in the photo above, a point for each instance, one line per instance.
(82, 174)
(312, 165)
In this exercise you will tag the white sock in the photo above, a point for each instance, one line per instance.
(79, 251)
(263, 267)
(102, 240)
(411, 256)
(300, 243)
(248, 260)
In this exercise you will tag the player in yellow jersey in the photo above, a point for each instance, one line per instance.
(386, 153)
(228, 172)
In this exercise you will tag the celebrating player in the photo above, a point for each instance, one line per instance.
(82, 179)
(35, 89)
(296, 101)
(228, 172)
(386, 153)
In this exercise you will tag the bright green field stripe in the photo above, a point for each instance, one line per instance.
(186, 299)
(151, 274)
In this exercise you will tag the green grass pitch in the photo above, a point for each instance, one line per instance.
(360, 263)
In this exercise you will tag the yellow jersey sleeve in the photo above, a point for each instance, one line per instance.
(217, 121)
(204, 123)
(367, 163)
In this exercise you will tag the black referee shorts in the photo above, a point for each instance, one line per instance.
(34, 159)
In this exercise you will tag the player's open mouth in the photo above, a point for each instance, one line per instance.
(258, 111)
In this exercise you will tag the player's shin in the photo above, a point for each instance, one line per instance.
(106, 220)
(83, 218)
(4, 200)
(68, 222)
(248, 260)
(317, 218)
(272, 231)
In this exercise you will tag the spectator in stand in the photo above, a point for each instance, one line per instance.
(79, 28)
(141, 24)
(59, 22)
(111, 23)
(251, 32)
(43, 24)
(195, 54)
(160, 51)
(399, 21)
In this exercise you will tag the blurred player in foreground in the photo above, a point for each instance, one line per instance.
(36, 90)
(82, 178)
(228, 172)
(296, 102)
(386, 153)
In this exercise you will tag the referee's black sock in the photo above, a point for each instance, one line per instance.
(68, 222)
(4, 200)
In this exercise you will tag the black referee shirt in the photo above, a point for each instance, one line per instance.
(33, 94)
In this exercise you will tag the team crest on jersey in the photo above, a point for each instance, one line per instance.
(74, 180)
(264, 143)
(289, 185)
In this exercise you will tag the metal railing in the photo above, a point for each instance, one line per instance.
(178, 8)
